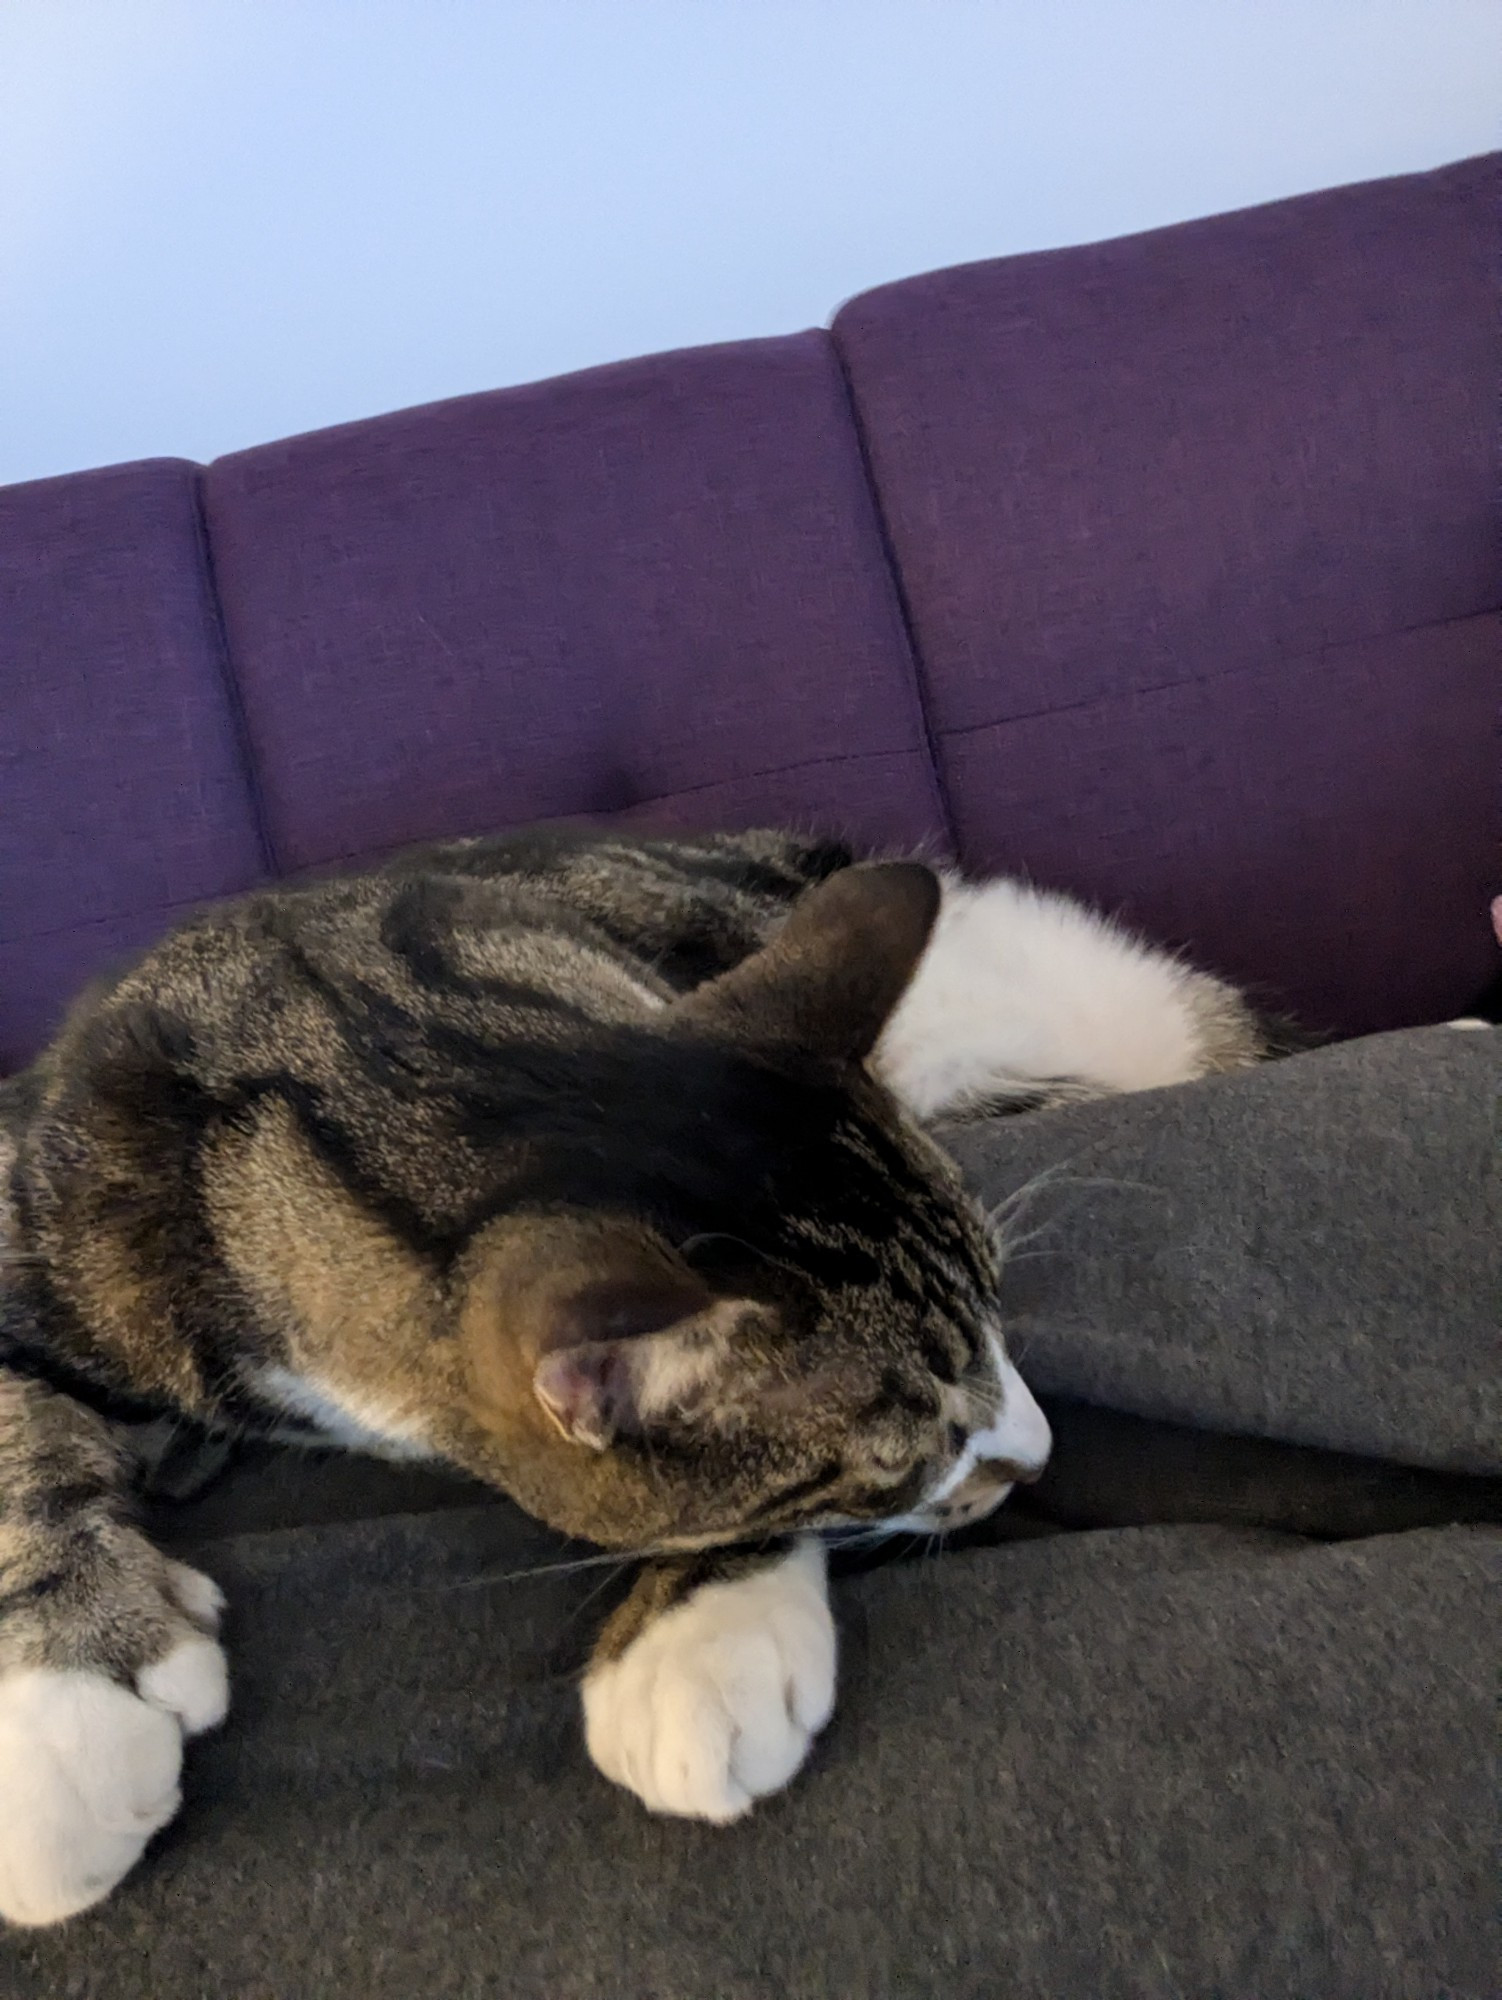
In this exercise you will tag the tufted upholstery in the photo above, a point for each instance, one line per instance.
(656, 585)
(1198, 531)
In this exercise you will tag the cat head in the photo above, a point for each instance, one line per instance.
(776, 1308)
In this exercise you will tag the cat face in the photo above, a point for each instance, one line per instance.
(791, 1321)
(642, 1408)
(669, 1268)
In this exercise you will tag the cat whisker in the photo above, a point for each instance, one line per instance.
(1019, 1197)
(590, 1597)
(1010, 1248)
(653, 1469)
(612, 1559)
(1002, 1213)
(859, 1537)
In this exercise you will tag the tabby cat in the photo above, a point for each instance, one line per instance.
(595, 1167)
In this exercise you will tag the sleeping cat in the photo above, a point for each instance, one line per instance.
(594, 1167)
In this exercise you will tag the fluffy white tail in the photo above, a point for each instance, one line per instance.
(1025, 995)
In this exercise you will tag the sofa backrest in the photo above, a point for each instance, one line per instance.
(652, 591)
(124, 799)
(1198, 536)
(653, 588)
(1160, 569)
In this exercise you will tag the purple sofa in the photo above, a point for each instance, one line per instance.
(1165, 570)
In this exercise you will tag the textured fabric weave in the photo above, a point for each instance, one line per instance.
(1136, 1763)
(123, 794)
(1311, 1251)
(1198, 534)
(656, 586)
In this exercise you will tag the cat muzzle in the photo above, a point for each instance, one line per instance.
(980, 1493)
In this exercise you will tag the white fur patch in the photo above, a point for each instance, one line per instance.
(199, 1595)
(191, 1682)
(669, 1369)
(1018, 986)
(89, 1771)
(1019, 1432)
(716, 1703)
(355, 1424)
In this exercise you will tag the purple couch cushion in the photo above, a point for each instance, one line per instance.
(658, 586)
(122, 787)
(1197, 534)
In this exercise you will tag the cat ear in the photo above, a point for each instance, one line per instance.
(831, 976)
(598, 1390)
(587, 1392)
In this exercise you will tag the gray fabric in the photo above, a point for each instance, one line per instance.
(1110, 1470)
(1171, 1761)
(1107, 1470)
(1311, 1251)
(1158, 1762)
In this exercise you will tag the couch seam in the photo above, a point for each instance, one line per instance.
(173, 903)
(1302, 657)
(613, 813)
(363, 854)
(234, 694)
(917, 672)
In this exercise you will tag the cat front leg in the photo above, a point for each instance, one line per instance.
(711, 1681)
(108, 1661)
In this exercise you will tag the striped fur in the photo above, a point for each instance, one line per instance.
(592, 1166)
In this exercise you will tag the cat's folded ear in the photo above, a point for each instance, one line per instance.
(598, 1390)
(832, 975)
(604, 1328)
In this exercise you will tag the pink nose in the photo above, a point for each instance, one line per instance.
(1019, 1475)
(982, 1491)
(992, 1473)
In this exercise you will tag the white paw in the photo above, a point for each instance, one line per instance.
(716, 1703)
(199, 1595)
(89, 1771)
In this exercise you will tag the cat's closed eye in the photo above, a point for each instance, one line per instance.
(892, 1455)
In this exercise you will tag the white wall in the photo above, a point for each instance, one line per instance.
(226, 220)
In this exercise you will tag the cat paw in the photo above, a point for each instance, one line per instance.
(89, 1768)
(717, 1702)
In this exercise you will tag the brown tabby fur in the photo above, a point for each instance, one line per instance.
(554, 1157)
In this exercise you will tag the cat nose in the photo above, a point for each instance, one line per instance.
(1018, 1440)
(1013, 1474)
(979, 1494)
